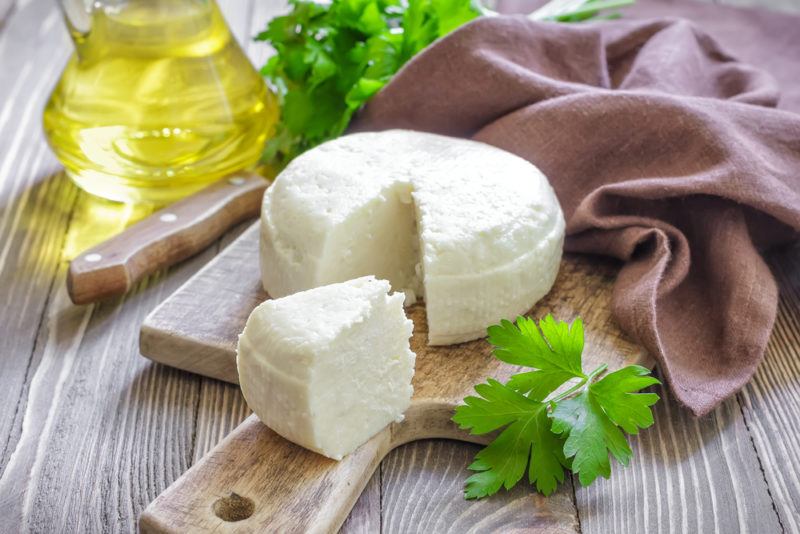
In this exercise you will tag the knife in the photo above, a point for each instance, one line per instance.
(166, 237)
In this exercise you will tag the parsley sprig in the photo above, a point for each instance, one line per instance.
(332, 56)
(545, 431)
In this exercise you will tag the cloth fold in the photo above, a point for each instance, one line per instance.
(664, 151)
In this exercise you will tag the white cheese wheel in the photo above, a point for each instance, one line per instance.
(330, 367)
(474, 230)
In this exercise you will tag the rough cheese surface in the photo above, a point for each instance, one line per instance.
(475, 231)
(330, 367)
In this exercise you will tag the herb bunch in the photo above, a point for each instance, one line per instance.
(545, 431)
(332, 57)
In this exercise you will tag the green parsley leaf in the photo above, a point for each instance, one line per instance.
(321, 64)
(363, 91)
(497, 406)
(419, 29)
(452, 13)
(592, 419)
(298, 111)
(555, 351)
(591, 436)
(331, 58)
(616, 394)
(545, 431)
(525, 443)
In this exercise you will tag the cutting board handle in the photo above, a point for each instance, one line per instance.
(165, 238)
(256, 481)
(259, 482)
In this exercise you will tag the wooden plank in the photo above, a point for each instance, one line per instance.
(103, 431)
(770, 403)
(220, 409)
(5, 10)
(188, 333)
(365, 517)
(34, 205)
(686, 475)
(423, 492)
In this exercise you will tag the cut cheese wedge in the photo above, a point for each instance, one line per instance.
(475, 231)
(328, 368)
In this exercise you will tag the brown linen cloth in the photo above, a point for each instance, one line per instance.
(664, 152)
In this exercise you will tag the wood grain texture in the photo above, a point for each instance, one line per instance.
(435, 469)
(291, 489)
(703, 476)
(91, 410)
(5, 9)
(197, 329)
(128, 437)
(770, 403)
(169, 236)
(366, 515)
(33, 212)
(203, 341)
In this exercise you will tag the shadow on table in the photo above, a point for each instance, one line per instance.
(52, 220)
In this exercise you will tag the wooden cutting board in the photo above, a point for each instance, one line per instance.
(256, 481)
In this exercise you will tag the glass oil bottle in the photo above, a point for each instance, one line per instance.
(157, 101)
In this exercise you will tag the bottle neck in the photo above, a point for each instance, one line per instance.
(77, 15)
(151, 19)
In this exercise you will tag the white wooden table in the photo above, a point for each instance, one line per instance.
(90, 432)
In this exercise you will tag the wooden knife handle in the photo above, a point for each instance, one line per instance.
(165, 238)
(256, 481)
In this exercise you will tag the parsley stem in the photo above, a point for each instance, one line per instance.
(585, 380)
(600, 370)
(559, 9)
(570, 391)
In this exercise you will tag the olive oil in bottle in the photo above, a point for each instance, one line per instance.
(157, 102)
